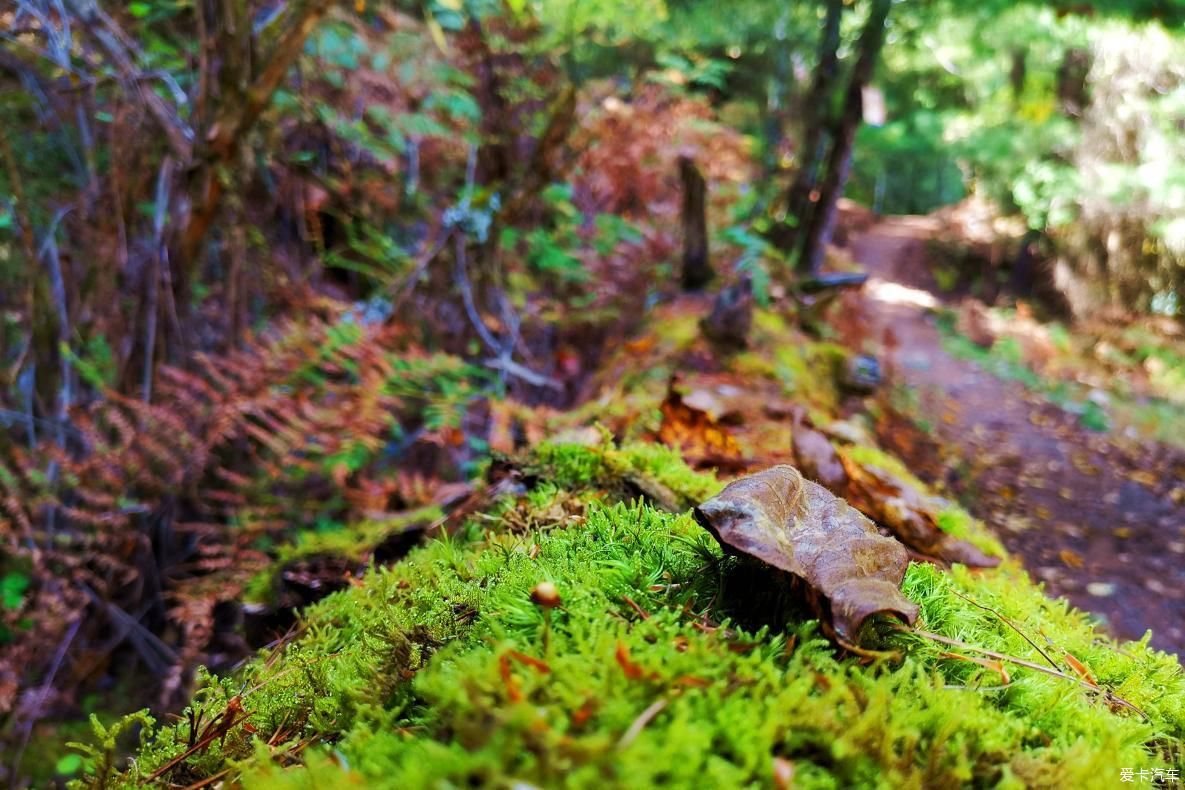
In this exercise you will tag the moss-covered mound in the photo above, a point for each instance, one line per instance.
(453, 668)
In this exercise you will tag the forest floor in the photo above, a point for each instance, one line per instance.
(1070, 502)
(567, 619)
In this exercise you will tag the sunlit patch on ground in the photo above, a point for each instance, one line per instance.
(898, 294)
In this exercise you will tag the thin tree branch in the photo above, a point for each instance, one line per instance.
(110, 39)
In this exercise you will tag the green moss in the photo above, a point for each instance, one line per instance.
(418, 678)
(866, 455)
(810, 371)
(677, 330)
(606, 467)
(770, 324)
(753, 364)
(354, 541)
(357, 539)
(1093, 737)
(958, 522)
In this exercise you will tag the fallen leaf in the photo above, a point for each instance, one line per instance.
(641, 345)
(705, 401)
(851, 571)
(1144, 477)
(817, 457)
(909, 514)
(694, 431)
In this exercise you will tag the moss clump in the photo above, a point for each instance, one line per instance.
(354, 542)
(441, 671)
(622, 470)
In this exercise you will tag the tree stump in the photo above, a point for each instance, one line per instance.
(727, 326)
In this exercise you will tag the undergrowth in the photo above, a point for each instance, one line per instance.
(451, 668)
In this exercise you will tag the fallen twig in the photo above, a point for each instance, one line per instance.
(508, 365)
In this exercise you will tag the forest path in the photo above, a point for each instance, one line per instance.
(1069, 502)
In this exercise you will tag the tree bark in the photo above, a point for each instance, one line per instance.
(816, 123)
(231, 123)
(817, 233)
(697, 270)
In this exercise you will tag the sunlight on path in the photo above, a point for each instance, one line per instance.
(898, 294)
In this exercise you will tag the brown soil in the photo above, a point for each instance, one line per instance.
(1087, 513)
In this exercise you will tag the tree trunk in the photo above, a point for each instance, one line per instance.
(817, 233)
(816, 123)
(697, 270)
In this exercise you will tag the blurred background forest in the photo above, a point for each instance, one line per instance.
(273, 267)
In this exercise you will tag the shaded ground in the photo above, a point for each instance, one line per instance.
(1088, 513)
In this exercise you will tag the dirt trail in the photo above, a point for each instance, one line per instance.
(1061, 497)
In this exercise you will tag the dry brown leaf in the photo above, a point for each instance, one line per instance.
(910, 515)
(695, 431)
(1071, 558)
(851, 571)
(817, 457)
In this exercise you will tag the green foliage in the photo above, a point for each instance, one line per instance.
(755, 252)
(12, 589)
(556, 251)
(905, 166)
(94, 362)
(699, 73)
(1069, 120)
(441, 385)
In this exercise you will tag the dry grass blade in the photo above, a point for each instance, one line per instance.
(1111, 697)
(639, 724)
(1010, 624)
(1081, 670)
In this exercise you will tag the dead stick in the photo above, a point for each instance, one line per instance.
(946, 640)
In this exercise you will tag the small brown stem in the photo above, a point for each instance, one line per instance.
(946, 640)
(1011, 625)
